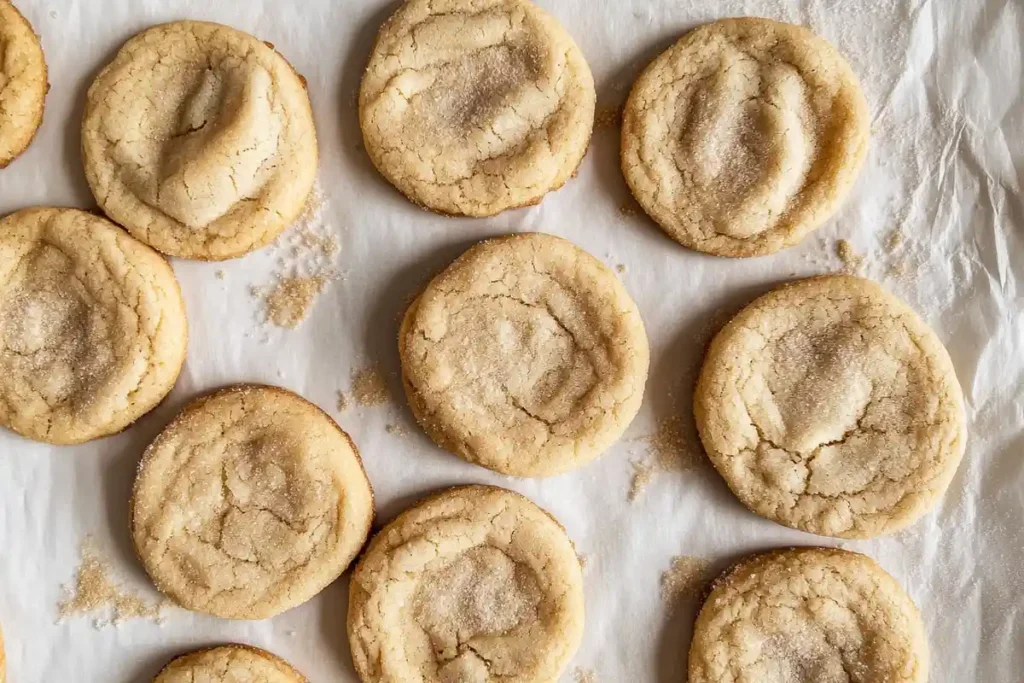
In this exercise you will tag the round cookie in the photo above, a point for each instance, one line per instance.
(23, 83)
(229, 664)
(808, 615)
(526, 356)
(249, 503)
(829, 406)
(199, 139)
(472, 107)
(744, 136)
(92, 326)
(473, 584)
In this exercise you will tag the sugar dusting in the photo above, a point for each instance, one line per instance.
(684, 578)
(369, 389)
(305, 265)
(672, 447)
(581, 675)
(97, 591)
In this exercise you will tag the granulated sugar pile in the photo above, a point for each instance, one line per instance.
(369, 388)
(683, 579)
(673, 447)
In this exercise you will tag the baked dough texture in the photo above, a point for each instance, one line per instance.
(471, 107)
(526, 356)
(744, 136)
(828, 405)
(199, 139)
(249, 503)
(229, 664)
(3, 661)
(92, 326)
(473, 585)
(808, 615)
(23, 83)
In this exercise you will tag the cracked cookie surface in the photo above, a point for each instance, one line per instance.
(229, 664)
(473, 585)
(199, 139)
(249, 503)
(472, 107)
(92, 326)
(828, 405)
(23, 83)
(744, 136)
(526, 356)
(808, 615)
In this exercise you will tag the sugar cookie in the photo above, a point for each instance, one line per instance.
(808, 615)
(199, 139)
(473, 584)
(829, 406)
(229, 664)
(471, 107)
(744, 136)
(92, 326)
(3, 660)
(23, 83)
(525, 356)
(249, 503)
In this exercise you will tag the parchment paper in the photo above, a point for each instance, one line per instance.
(944, 81)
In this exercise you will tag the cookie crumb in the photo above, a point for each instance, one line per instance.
(607, 117)
(343, 402)
(643, 473)
(620, 268)
(683, 579)
(581, 675)
(584, 560)
(220, 275)
(852, 261)
(289, 302)
(395, 429)
(369, 387)
(95, 590)
(629, 209)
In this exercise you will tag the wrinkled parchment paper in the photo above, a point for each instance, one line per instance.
(944, 81)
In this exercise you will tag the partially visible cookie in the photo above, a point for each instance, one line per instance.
(526, 356)
(3, 661)
(828, 405)
(473, 584)
(229, 664)
(23, 83)
(199, 139)
(808, 615)
(744, 136)
(92, 326)
(249, 503)
(471, 107)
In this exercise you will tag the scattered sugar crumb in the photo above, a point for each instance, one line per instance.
(584, 559)
(306, 254)
(395, 429)
(683, 579)
(96, 591)
(894, 240)
(643, 473)
(608, 117)
(620, 268)
(671, 448)
(581, 675)
(220, 274)
(851, 260)
(629, 209)
(369, 387)
(343, 402)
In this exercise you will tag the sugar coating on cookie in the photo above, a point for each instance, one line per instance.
(474, 584)
(744, 136)
(249, 503)
(199, 139)
(92, 326)
(808, 615)
(828, 405)
(23, 83)
(229, 664)
(471, 107)
(526, 356)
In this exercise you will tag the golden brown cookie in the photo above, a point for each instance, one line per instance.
(229, 664)
(473, 584)
(471, 107)
(808, 615)
(744, 136)
(199, 139)
(249, 503)
(3, 661)
(92, 326)
(23, 83)
(828, 405)
(526, 356)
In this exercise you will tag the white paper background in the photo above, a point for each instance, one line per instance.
(944, 81)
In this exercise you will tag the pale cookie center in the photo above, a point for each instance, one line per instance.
(55, 340)
(481, 593)
(505, 355)
(208, 142)
(745, 144)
